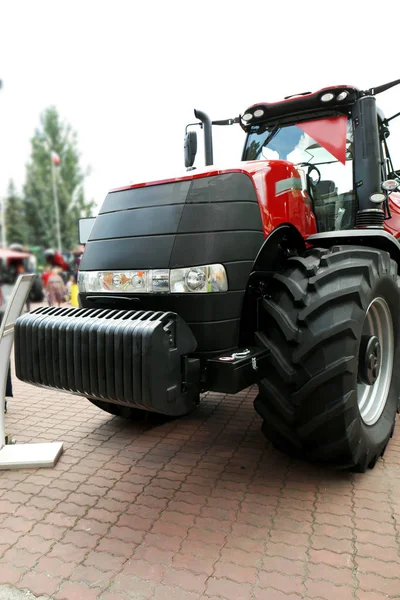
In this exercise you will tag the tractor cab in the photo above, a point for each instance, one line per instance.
(322, 149)
(337, 139)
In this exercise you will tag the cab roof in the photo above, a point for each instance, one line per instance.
(335, 99)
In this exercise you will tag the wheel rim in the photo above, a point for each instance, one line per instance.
(375, 361)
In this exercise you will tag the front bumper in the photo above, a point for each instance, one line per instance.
(133, 358)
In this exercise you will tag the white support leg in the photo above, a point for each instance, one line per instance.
(19, 456)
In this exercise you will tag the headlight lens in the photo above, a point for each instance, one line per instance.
(208, 278)
(195, 279)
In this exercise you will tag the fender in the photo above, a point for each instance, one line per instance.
(375, 238)
(284, 241)
(278, 245)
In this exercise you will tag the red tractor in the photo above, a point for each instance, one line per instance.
(281, 271)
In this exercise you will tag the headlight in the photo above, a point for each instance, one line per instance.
(208, 278)
(211, 278)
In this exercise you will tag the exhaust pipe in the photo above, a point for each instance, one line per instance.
(367, 173)
(208, 145)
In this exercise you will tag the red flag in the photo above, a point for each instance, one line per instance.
(330, 134)
(55, 158)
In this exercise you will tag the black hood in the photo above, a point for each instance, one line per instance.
(201, 221)
(185, 223)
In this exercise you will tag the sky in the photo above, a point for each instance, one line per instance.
(128, 74)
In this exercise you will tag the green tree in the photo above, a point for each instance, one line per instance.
(54, 136)
(15, 217)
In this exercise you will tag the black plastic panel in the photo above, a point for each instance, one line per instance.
(232, 216)
(216, 335)
(140, 222)
(219, 247)
(219, 216)
(238, 274)
(152, 252)
(191, 307)
(143, 197)
(133, 358)
(229, 187)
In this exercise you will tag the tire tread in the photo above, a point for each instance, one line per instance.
(313, 308)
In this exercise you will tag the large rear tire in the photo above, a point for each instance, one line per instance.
(331, 323)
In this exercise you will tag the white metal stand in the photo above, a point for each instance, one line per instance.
(19, 456)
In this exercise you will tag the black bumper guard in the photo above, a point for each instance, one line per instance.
(132, 358)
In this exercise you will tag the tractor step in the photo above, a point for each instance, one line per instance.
(233, 372)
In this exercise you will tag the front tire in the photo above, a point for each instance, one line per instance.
(126, 412)
(331, 323)
(131, 413)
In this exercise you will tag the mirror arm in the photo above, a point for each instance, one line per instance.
(392, 117)
(192, 125)
(226, 121)
(381, 88)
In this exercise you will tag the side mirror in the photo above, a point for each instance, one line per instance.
(190, 148)
(85, 228)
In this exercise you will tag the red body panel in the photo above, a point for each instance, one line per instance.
(393, 225)
(277, 184)
(280, 201)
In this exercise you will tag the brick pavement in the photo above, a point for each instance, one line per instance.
(199, 507)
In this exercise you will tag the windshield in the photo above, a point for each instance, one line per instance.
(328, 145)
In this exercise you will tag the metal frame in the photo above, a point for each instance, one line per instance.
(19, 456)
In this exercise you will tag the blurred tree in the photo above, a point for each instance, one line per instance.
(15, 217)
(54, 138)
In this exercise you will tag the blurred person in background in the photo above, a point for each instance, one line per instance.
(55, 288)
(45, 278)
(9, 392)
(45, 275)
(72, 291)
(21, 271)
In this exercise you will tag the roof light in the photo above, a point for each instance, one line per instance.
(342, 96)
(247, 117)
(258, 113)
(327, 97)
